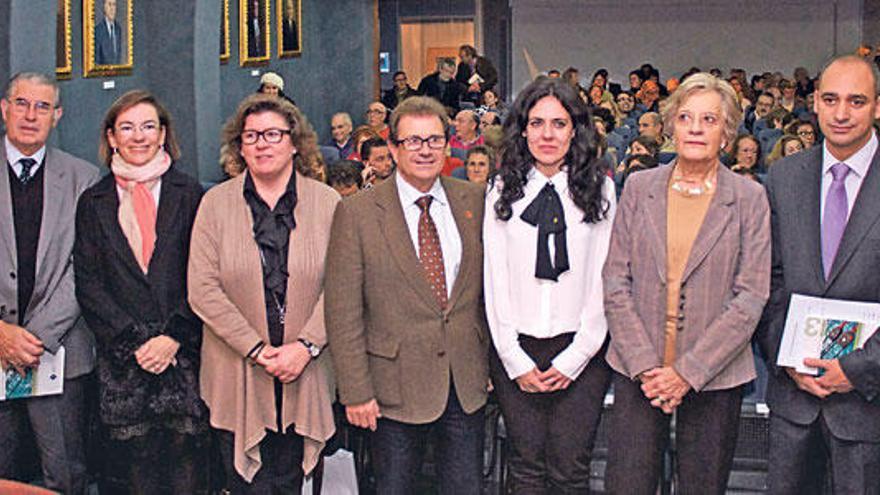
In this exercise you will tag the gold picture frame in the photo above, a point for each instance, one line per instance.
(254, 32)
(224, 33)
(63, 55)
(289, 29)
(108, 43)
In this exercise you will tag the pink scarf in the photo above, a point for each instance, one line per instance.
(137, 207)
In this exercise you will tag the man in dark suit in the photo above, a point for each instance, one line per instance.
(825, 205)
(405, 321)
(39, 187)
(289, 30)
(471, 64)
(108, 37)
(442, 87)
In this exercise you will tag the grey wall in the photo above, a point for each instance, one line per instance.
(871, 23)
(756, 35)
(176, 51)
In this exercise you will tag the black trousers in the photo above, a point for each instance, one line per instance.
(398, 449)
(706, 428)
(165, 461)
(281, 472)
(58, 423)
(551, 434)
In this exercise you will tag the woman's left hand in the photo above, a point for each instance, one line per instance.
(664, 387)
(286, 362)
(156, 354)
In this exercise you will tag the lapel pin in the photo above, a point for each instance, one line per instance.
(468, 214)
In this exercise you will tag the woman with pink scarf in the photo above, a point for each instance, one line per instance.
(130, 259)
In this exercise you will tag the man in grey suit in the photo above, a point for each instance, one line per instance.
(825, 207)
(39, 187)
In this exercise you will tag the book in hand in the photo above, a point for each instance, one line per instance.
(824, 329)
(476, 79)
(45, 379)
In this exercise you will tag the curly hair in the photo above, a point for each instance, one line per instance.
(230, 141)
(586, 172)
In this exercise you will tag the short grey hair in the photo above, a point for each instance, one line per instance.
(37, 78)
(698, 83)
(345, 116)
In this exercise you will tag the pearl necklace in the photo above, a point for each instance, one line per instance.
(677, 186)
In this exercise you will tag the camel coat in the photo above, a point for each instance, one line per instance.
(226, 291)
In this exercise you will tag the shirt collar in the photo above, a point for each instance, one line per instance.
(409, 194)
(859, 162)
(537, 180)
(13, 155)
(250, 191)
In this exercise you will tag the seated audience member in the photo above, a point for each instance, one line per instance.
(608, 142)
(255, 279)
(479, 164)
(273, 84)
(649, 97)
(626, 104)
(467, 133)
(314, 166)
(401, 91)
(492, 103)
(442, 86)
(340, 129)
(804, 129)
(345, 177)
(785, 146)
(378, 164)
(635, 81)
(790, 101)
(764, 104)
(132, 291)
(475, 72)
(651, 125)
(746, 152)
(737, 86)
(803, 84)
(376, 116)
(771, 128)
(361, 134)
(488, 119)
(573, 76)
(450, 162)
(638, 163)
(600, 80)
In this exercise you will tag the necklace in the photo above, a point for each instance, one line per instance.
(686, 186)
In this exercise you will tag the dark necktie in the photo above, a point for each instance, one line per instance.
(546, 213)
(26, 165)
(430, 253)
(834, 217)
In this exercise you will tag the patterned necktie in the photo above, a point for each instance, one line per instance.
(26, 165)
(430, 253)
(834, 218)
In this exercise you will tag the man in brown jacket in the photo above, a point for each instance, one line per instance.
(404, 313)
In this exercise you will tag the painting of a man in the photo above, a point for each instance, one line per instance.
(109, 35)
(257, 34)
(290, 27)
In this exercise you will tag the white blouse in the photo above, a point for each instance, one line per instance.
(519, 303)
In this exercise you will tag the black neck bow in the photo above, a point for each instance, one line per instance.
(546, 213)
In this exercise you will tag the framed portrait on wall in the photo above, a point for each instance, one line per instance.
(289, 17)
(107, 37)
(253, 31)
(224, 32)
(63, 57)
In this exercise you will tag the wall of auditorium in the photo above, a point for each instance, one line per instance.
(176, 55)
(620, 35)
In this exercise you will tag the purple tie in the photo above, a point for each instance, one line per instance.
(834, 219)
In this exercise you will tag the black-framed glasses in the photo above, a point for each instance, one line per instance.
(806, 133)
(271, 136)
(22, 105)
(414, 143)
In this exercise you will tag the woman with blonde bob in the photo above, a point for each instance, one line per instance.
(256, 273)
(687, 276)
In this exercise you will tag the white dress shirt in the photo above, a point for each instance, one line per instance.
(519, 303)
(441, 213)
(13, 156)
(859, 163)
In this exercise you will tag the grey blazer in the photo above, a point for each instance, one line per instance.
(794, 189)
(53, 314)
(725, 284)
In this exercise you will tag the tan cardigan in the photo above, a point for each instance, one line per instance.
(226, 291)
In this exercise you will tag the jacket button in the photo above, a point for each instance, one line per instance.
(441, 353)
(13, 312)
(12, 275)
(681, 317)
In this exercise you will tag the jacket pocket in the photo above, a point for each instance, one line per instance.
(385, 370)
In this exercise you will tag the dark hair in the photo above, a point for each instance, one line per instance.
(368, 145)
(132, 99)
(398, 73)
(586, 172)
(496, 120)
(638, 163)
(344, 173)
(606, 116)
(649, 144)
(468, 49)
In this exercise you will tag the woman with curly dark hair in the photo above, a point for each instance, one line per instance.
(544, 250)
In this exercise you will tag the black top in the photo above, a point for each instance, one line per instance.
(27, 212)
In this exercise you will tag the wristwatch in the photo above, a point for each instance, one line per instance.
(314, 350)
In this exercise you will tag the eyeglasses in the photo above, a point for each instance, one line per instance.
(271, 136)
(22, 105)
(806, 133)
(128, 129)
(414, 143)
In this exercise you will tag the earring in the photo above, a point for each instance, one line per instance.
(115, 150)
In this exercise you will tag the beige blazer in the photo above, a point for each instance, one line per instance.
(388, 336)
(724, 286)
(226, 291)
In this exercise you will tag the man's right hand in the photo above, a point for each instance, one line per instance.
(808, 383)
(18, 347)
(364, 415)
(531, 382)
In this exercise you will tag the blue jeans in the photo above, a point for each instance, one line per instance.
(398, 449)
